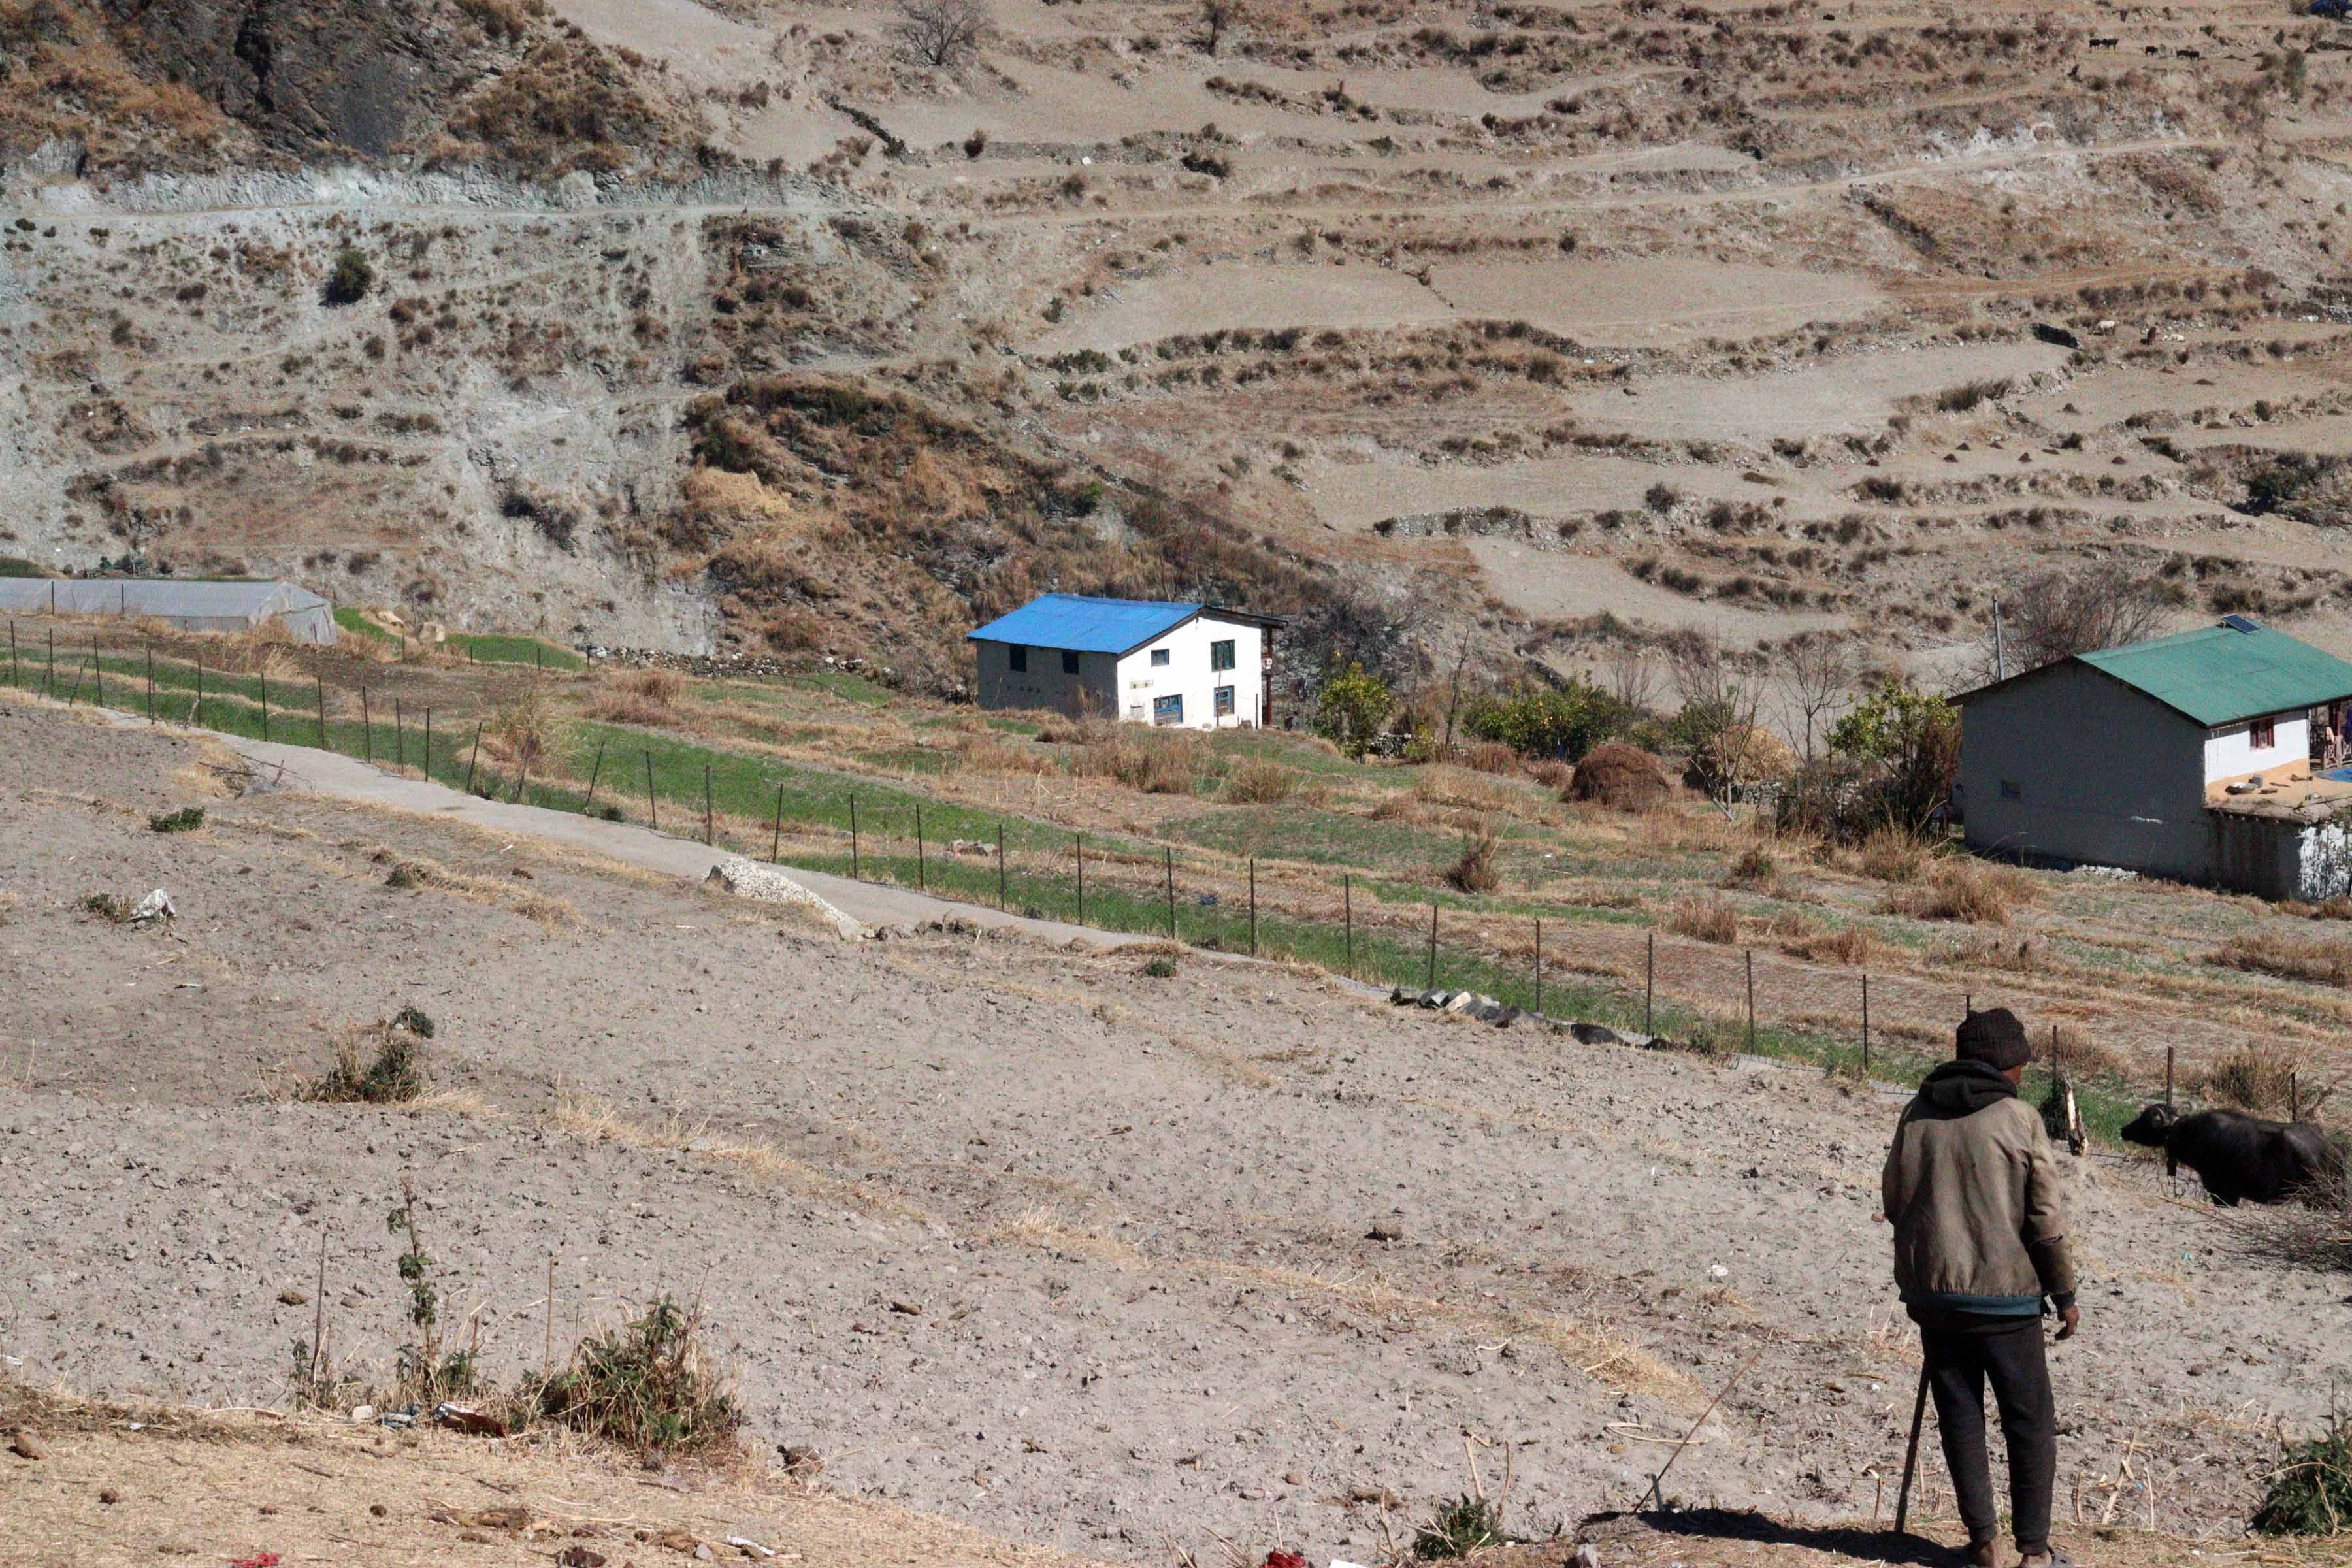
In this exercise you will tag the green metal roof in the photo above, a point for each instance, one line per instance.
(2219, 675)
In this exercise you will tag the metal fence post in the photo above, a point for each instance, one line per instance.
(400, 737)
(776, 840)
(1253, 891)
(522, 777)
(1000, 866)
(853, 838)
(653, 807)
(1866, 1025)
(594, 772)
(367, 726)
(1540, 963)
(1082, 877)
(150, 671)
(923, 871)
(428, 745)
(1751, 1000)
(476, 757)
(1168, 862)
(1650, 987)
(200, 691)
(264, 702)
(1432, 985)
(2168, 1074)
(710, 832)
(322, 712)
(1347, 919)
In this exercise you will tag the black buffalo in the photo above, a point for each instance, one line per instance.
(2239, 1156)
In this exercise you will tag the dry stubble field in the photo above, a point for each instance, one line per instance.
(1017, 1235)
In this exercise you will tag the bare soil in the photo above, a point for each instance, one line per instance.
(1012, 1234)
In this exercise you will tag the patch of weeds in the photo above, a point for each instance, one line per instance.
(113, 906)
(187, 820)
(1459, 1528)
(429, 1370)
(1161, 968)
(609, 811)
(394, 1075)
(408, 874)
(648, 1385)
(2311, 1493)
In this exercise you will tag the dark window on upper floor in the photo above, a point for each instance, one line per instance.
(1017, 655)
(1069, 661)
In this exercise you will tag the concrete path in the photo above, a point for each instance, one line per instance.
(332, 774)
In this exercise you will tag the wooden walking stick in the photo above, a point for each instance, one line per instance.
(1911, 1455)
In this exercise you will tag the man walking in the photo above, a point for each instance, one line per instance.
(1971, 1188)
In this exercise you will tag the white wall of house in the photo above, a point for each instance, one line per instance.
(2071, 765)
(1146, 688)
(2231, 750)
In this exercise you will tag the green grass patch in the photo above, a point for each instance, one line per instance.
(349, 618)
(492, 647)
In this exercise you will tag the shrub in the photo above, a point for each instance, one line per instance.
(1459, 1528)
(1801, 936)
(1477, 870)
(1352, 707)
(187, 820)
(1968, 395)
(647, 1385)
(1709, 919)
(1543, 722)
(1909, 743)
(1261, 782)
(976, 143)
(112, 906)
(1155, 764)
(1891, 854)
(1161, 968)
(351, 278)
(394, 1075)
(1488, 757)
(2311, 1493)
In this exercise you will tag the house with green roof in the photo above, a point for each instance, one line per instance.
(2194, 756)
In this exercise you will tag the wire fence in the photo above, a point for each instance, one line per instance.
(1562, 961)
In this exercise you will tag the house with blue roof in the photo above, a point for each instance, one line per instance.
(1147, 661)
(2215, 755)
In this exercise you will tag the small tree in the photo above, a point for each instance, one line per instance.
(1910, 740)
(1633, 681)
(942, 33)
(1217, 16)
(1544, 722)
(2059, 614)
(1354, 705)
(351, 278)
(1818, 668)
(1717, 721)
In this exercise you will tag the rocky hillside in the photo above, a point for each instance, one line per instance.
(1548, 329)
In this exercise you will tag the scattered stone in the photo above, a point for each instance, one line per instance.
(291, 1297)
(24, 1446)
(379, 1510)
(108, 1496)
(579, 1557)
(1385, 1230)
(800, 1461)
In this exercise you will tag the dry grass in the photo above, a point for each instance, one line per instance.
(406, 871)
(2257, 1076)
(1708, 919)
(1261, 782)
(2084, 1057)
(1477, 871)
(1487, 757)
(1623, 777)
(1801, 936)
(2260, 952)
(1167, 761)
(1755, 869)
(2021, 957)
(582, 1115)
(1891, 854)
(1973, 891)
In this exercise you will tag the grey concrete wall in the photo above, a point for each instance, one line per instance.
(1093, 690)
(2105, 775)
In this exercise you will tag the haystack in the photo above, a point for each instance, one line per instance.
(1746, 754)
(1625, 777)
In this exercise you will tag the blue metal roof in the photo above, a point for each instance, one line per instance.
(1087, 626)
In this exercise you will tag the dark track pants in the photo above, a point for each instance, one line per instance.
(1964, 1351)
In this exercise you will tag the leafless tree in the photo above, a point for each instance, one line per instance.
(1217, 16)
(942, 33)
(1818, 670)
(2061, 613)
(1721, 703)
(1633, 681)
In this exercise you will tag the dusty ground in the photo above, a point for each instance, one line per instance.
(1015, 1235)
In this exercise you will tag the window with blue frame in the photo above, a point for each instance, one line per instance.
(1168, 709)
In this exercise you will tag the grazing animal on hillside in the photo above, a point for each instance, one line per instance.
(2239, 1156)
(2105, 43)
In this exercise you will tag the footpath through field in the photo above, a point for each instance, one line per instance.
(869, 904)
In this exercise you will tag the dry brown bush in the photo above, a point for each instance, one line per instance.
(1261, 782)
(1477, 871)
(1891, 854)
(1553, 774)
(1155, 762)
(2260, 952)
(2084, 1057)
(986, 752)
(1709, 919)
(2258, 1076)
(1624, 777)
(1801, 936)
(1487, 757)
(2021, 957)
(656, 685)
(1965, 890)
(1755, 869)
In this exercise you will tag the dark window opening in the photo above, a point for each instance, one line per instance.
(1221, 655)
(1159, 658)
(2264, 735)
(1069, 661)
(1018, 654)
(2009, 790)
